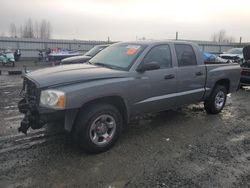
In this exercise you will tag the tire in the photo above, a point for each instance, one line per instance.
(86, 128)
(217, 100)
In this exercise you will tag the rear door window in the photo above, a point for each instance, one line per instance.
(185, 55)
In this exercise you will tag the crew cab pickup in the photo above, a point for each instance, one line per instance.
(96, 100)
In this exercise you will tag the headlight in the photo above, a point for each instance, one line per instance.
(52, 99)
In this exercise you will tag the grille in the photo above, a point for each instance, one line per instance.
(29, 89)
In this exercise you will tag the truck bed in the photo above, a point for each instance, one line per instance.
(230, 72)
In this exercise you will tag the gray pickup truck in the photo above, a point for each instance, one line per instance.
(95, 101)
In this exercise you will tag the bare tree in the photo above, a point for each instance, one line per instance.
(36, 30)
(13, 30)
(40, 29)
(28, 30)
(222, 37)
(20, 31)
(214, 37)
(45, 29)
(230, 39)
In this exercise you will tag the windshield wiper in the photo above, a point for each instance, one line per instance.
(103, 65)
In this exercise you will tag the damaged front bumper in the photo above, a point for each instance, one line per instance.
(35, 116)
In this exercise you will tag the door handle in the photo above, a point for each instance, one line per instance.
(170, 76)
(198, 73)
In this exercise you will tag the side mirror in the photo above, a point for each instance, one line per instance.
(148, 66)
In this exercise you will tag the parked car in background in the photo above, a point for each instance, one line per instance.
(234, 54)
(245, 72)
(96, 100)
(57, 54)
(17, 55)
(7, 58)
(86, 57)
(211, 58)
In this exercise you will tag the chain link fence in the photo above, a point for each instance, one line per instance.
(29, 47)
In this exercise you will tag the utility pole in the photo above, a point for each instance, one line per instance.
(176, 35)
(240, 40)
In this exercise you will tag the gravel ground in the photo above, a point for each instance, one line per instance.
(177, 148)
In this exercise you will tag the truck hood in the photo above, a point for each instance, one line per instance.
(76, 59)
(70, 74)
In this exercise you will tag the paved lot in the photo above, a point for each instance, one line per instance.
(179, 148)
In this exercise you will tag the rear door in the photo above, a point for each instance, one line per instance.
(190, 75)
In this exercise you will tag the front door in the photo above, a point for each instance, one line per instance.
(162, 82)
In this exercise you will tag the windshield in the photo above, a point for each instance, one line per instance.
(93, 51)
(235, 51)
(119, 56)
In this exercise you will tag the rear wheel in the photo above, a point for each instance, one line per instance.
(216, 101)
(98, 127)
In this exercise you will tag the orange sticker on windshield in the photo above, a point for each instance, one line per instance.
(131, 51)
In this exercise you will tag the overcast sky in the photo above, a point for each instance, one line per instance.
(124, 20)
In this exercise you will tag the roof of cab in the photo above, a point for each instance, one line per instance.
(155, 42)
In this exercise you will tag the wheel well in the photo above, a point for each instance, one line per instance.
(116, 101)
(224, 82)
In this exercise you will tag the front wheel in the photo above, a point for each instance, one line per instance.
(217, 100)
(98, 127)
